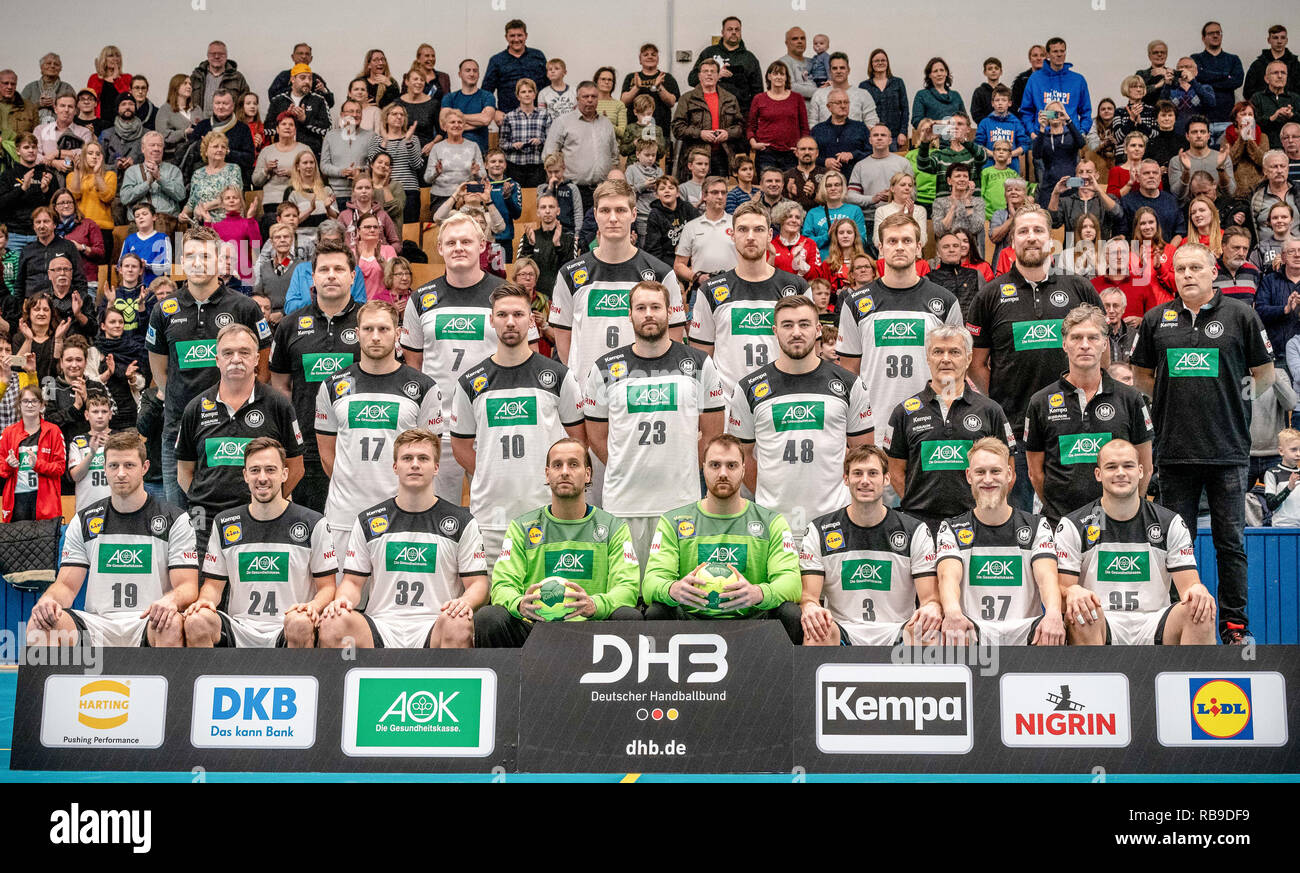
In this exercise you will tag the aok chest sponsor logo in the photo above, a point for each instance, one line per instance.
(317, 367)
(899, 331)
(734, 554)
(1192, 362)
(652, 397)
(263, 566)
(570, 563)
(799, 415)
(1031, 335)
(944, 454)
(1068, 710)
(1221, 709)
(999, 570)
(191, 354)
(373, 414)
(419, 712)
(106, 711)
(1081, 448)
(607, 303)
(750, 321)
(414, 557)
(866, 574)
(511, 411)
(1117, 566)
(225, 451)
(131, 558)
(459, 325)
(869, 709)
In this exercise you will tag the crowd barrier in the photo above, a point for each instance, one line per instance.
(672, 697)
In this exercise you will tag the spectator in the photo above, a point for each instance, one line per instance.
(152, 180)
(274, 269)
(109, 83)
(1275, 104)
(565, 193)
(1274, 189)
(69, 391)
(548, 246)
(372, 254)
(738, 69)
(606, 103)
(793, 252)
(972, 255)
(1246, 145)
(831, 205)
(981, 101)
(889, 93)
(1148, 193)
(1139, 115)
(642, 176)
(240, 232)
(587, 141)
(709, 116)
(309, 111)
(961, 207)
(1220, 70)
(1123, 177)
(14, 379)
(902, 198)
(421, 110)
(507, 197)
(16, 114)
(177, 116)
(801, 182)
(380, 85)
(1267, 256)
(452, 161)
(363, 203)
(1056, 82)
(705, 247)
(239, 139)
(88, 112)
(1101, 139)
(1278, 300)
(71, 304)
(993, 179)
(776, 122)
(869, 183)
(149, 244)
(1056, 148)
(936, 99)
(130, 298)
(1016, 193)
(84, 234)
(389, 193)
(437, 84)
(516, 61)
(1198, 156)
(121, 141)
(1037, 54)
(33, 463)
(1190, 97)
(1158, 75)
(1147, 261)
(960, 149)
(398, 279)
(845, 245)
(301, 56)
(523, 133)
(34, 262)
(62, 139)
(798, 78)
(643, 129)
(557, 97)
(398, 141)
(475, 104)
(1113, 286)
(771, 181)
(1276, 51)
(40, 334)
(307, 191)
(861, 106)
(669, 214)
(208, 181)
(344, 150)
(45, 89)
(370, 116)
(1069, 202)
(946, 270)
(24, 186)
(697, 165)
(1237, 277)
(742, 168)
(217, 73)
(841, 141)
(1001, 124)
(1081, 254)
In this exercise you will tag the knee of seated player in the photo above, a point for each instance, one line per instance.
(625, 613)
(832, 637)
(338, 631)
(1087, 634)
(170, 637)
(1180, 630)
(299, 631)
(453, 633)
(64, 633)
(202, 629)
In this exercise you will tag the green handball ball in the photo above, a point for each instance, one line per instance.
(552, 593)
(714, 577)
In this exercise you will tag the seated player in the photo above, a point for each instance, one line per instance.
(135, 553)
(424, 559)
(1118, 556)
(584, 545)
(871, 563)
(277, 558)
(997, 564)
(723, 528)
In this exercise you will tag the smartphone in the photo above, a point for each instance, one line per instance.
(1074, 182)
(1050, 114)
(943, 131)
(474, 188)
(17, 361)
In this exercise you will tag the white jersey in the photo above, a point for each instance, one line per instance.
(416, 561)
(94, 485)
(653, 406)
(997, 564)
(886, 328)
(590, 301)
(452, 327)
(800, 425)
(514, 414)
(365, 413)
(733, 319)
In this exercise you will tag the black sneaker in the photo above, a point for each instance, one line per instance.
(1235, 636)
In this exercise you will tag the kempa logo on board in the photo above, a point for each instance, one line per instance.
(254, 712)
(122, 711)
(435, 713)
(1066, 710)
(871, 709)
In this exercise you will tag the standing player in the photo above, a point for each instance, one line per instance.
(311, 344)
(723, 528)
(929, 434)
(997, 563)
(135, 553)
(86, 452)
(732, 318)
(585, 546)
(447, 328)
(883, 327)
(871, 563)
(275, 557)
(650, 407)
(795, 418)
(361, 410)
(503, 410)
(1118, 556)
(424, 558)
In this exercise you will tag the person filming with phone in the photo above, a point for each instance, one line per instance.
(1081, 194)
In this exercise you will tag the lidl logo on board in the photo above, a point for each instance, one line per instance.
(1221, 709)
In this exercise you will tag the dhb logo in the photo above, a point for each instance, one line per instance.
(646, 656)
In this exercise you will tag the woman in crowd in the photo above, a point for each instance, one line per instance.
(363, 204)
(32, 461)
(272, 274)
(1137, 115)
(902, 198)
(274, 167)
(890, 94)
(1056, 151)
(1082, 257)
(109, 83)
(936, 99)
(453, 161)
(1123, 177)
(398, 279)
(777, 119)
(1246, 145)
(372, 253)
(526, 277)
(379, 83)
(212, 178)
(243, 233)
(308, 191)
(1202, 227)
(792, 251)
(523, 133)
(94, 186)
(176, 117)
(40, 333)
(548, 246)
(846, 245)
(1147, 248)
(359, 91)
(1267, 254)
(249, 111)
(831, 205)
(606, 103)
(972, 254)
(1101, 140)
(83, 233)
(421, 109)
(398, 140)
(388, 192)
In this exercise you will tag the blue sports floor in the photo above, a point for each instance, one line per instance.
(9, 684)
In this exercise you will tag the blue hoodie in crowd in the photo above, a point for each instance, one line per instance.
(994, 127)
(1062, 86)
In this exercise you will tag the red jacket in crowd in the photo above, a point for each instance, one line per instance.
(49, 466)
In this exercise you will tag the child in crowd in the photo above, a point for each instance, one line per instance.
(642, 128)
(86, 452)
(1002, 123)
(1280, 482)
(820, 289)
(153, 246)
(124, 366)
(668, 215)
(1267, 254)
(826, 343)
(697, 163)
(742, 167)
(130, 297)
(566, 194)
(507, 197)
(557, 98)
(642, 176)
(981, 102)
(995, 177)
(264, 302)
(819, 65)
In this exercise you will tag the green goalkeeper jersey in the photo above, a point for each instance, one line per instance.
(756, 541)
(594, 551)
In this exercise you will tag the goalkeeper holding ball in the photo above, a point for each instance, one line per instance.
(564, 561)
(724, 556)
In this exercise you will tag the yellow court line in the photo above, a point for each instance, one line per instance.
(631, 777)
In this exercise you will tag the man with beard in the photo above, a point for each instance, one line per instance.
(1118, 557)
(724, 530)
(122, 141)
(1016, 325)
(796, 417)
(584, 545)
(503, 411)
(997, 564)
(276, 558)
(650, 406)
(871, 563)
(732, 319)
(1237, 278)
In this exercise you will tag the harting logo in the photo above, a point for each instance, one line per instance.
(104, 704)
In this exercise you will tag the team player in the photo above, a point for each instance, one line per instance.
(650, 406)
(929, 434)
(276, 559)
(871, 564)
(1118, 556)
(997, 564)
(723, 528)
(359, 413)
(587, 547)
(732, 318)
(1070, 419)
(310, 345)
(135, 554)
(503, 411)
(86, 452)
(883, 326)
(424, 558)
(795, 418)
(447, 327)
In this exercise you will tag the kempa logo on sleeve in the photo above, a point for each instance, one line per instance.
(191, 354)
(995, 570)
(317, 367)
(263, 566)
(570, 563)
(134, 558)
(1081, 448)
(1221, 709)
(900, 331)
(415, 557)
(419, 713)
(458, 325)
(1031, 335)
(944, 454)
(799, 415)
(373, 414)
(866, 574)
(735, 554)
(607, 303)
(1066, 710)
(225, 452)
(875, 709)
(751, 322)
(511, 411)
(1123, 566)
(1192, 362)
(123, 711)
(654, 397)
(254, 712)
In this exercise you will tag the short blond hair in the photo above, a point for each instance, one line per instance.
(1288, 433)
(993, 446)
